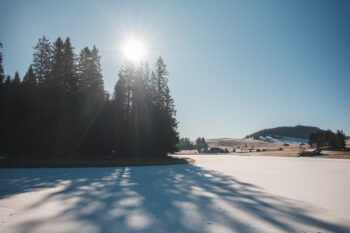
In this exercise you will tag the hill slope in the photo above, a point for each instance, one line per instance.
(298, 131)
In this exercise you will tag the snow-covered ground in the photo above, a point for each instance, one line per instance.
(288, 140)
(219, 193)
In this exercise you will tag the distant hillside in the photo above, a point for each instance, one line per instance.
(298, 131)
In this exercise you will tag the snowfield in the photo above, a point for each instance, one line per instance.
(288, 140)
(219, 193)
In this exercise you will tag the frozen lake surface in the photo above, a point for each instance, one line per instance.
(219, 193)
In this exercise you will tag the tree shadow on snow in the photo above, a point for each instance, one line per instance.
(178, 198)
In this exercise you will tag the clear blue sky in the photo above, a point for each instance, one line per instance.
(235, 66)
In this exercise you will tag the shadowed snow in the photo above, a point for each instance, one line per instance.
(220, 193)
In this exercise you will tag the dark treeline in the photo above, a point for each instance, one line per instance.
(186, 144)
(298, 131)
(59, 109)
(328, 140)
(201, 146)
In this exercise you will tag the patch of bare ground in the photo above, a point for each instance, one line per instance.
(295, 153)
(335, 154)
(120, 162)
(187, 152)
(282, 153)
(260, 148)
(292, 151)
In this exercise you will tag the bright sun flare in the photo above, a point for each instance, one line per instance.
(134, 50)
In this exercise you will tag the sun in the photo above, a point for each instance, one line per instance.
(134, 50)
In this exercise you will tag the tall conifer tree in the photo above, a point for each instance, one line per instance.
(42, 59)
(2, 75)
(69, 67)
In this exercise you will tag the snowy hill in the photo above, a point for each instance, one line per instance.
(298, 131)
(283, 140)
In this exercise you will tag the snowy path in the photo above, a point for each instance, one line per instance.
(219, 193)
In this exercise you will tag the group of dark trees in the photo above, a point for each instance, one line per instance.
(186, 144)
(298, 131)
(327, 140)
(201, 144)
(59, 109)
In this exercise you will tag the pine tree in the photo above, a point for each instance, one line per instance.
(140, 115)
(123, 107)
(91, 73)
(3, 104)
(165, 109)
(69, 67)
(30, 124)
(15, 119)
(16, 83)
(160, 82)
(97, 81)
(134, 111)
(42, 58)
(6, 117)
(2, 75)
(92, 96)
(90, 82)
(57, 94)
(58, 62)
(30, 78)
(171, 116)
(8, 81)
